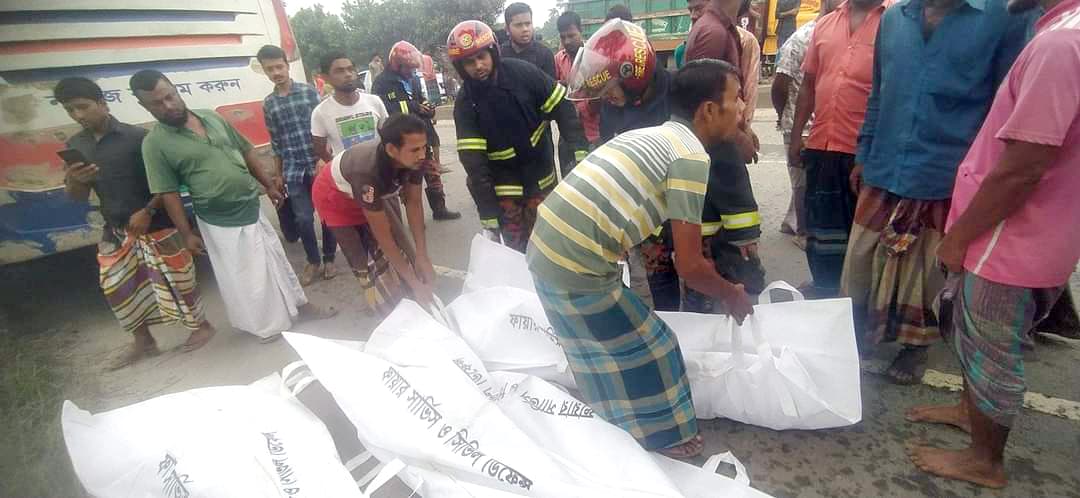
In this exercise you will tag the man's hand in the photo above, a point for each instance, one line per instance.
(422, 292)
(139, 223)
(428, 109)
(794, 154)
(737, 302)
(424, 269)
(319, 165)
(276, 192)
(744, 143)
(856, 178)
(951, 253)
(194, 244)
(748, 251)
(82, 173)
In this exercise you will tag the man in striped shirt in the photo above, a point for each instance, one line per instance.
(626, 361)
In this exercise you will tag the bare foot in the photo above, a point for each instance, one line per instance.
(963, 465)
(954, 415)
(909, 365)
(689, 449)
(199, 338)
(310, 311)
(133, 354)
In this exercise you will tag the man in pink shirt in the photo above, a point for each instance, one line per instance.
(837, 77)
(1011, 241)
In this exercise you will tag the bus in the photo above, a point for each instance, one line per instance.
(206, 47)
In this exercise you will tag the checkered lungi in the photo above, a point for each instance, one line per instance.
(891, 270)
(626, 361)
(988, 323)
(150, 280)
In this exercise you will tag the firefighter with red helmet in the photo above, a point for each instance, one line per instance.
(502, 114)
(617, 65)
(401, 92)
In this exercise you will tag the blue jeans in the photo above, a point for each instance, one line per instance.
(304, 211)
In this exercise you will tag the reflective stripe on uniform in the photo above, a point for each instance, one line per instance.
(553, 100)
(711, 228)
(535, 138)
(492, 223)
(740, 220)
(479, 144)
(580, 155)
(546, 181)
(404, 107)
(502, 155)
(509, 190)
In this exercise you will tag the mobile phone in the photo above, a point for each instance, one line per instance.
(71, 156)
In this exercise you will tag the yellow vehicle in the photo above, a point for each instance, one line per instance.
(808, 11)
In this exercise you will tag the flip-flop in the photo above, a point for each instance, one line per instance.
(192, 346)
(314, 312)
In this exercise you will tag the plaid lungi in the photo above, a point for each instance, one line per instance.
(626, 361)
(380, 284)
(891, 272)
(150, 280)
(987, 324)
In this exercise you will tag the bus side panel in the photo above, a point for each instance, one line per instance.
(36, 218)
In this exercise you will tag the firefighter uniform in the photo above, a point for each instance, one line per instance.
(730, 220)
(504, 142)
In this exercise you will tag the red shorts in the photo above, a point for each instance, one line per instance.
(334, 207)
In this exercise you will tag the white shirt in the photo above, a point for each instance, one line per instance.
(345, 126)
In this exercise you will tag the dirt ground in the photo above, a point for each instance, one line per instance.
(60, 293)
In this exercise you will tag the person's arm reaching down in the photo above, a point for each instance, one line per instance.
(414, 212)
(701, 275)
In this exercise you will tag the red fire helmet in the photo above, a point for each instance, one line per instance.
(469, 38)
(404, 55)
(619, 52)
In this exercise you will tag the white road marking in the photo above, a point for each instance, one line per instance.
(1038, 402)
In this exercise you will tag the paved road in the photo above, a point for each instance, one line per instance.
(867, 459)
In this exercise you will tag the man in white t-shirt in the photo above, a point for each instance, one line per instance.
(349, 116)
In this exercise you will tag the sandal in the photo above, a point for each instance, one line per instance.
(310, 312)
(690, 449)
(197, 341)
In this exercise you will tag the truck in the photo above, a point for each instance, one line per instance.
(205, 47)
(667, 23)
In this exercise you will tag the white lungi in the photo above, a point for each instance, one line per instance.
(257, 282)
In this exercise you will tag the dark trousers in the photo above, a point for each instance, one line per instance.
(657, 252)
(830, 213)
(304, 215)
(287, 221)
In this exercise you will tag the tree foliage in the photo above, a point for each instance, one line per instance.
(369, 27)
(550, 29)
(318, 33)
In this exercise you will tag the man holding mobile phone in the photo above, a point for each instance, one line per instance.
(147, 275)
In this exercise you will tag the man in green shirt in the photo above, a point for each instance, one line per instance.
(198, 149)
(625, 360)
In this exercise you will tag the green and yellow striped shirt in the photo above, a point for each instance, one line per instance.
(614, 199)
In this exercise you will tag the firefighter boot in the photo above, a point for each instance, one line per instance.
(437, 200)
